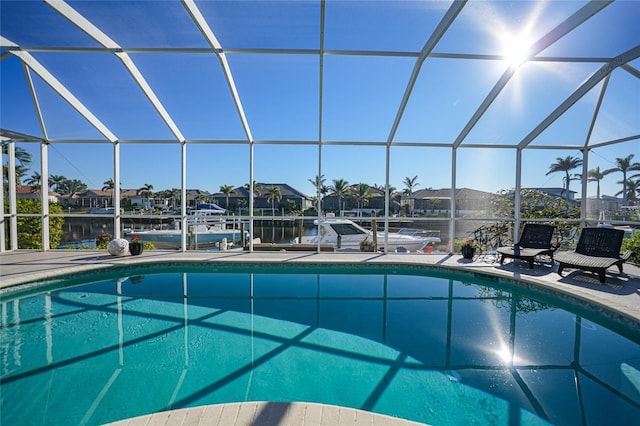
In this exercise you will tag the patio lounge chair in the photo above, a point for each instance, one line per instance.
(598, 249)
(534, 241)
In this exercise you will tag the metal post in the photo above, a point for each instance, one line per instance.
(584, 181)
(251, 190)
(13, 210)
(386, 200)
(2, 222)
(452, 215)
(517, 196)
(183, 197)
(44, 193)
(117, 219)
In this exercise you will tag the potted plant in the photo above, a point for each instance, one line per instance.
(468, 248)
(136, 246)
(367, 245)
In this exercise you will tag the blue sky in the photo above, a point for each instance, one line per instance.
(360, 94)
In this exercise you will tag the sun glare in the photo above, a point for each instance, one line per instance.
(505, 355)
(515, 49)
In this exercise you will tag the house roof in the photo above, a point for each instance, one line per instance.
(286, 190)
(445, 193)
(28, 189)
(554, 190)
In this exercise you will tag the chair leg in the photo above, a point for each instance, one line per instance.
(560, 268)
(601, 275)
(530, 263)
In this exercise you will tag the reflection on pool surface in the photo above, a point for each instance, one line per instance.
(424, 346)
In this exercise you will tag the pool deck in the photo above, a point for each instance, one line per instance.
(266, 414)
(620, 295)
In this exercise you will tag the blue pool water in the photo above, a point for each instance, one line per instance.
(421, 345)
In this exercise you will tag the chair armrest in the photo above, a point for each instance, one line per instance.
(626, 255)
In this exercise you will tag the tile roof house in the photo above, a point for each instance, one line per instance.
(468, 201)
(27, 192)
(348, 203)
(239, 198)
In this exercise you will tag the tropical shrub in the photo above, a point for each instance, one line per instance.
(534, 204)
(30, 227)
(103, 240)
(632, 244)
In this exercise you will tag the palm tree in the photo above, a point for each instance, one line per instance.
(257, 188)
(340, 189)
(393, 195)
(565, 165)
(633, 191)
(630, 192)
(146, 190)
(317, 182)
(175, 196)
(273, 194)
(21, 172)
(625, 165)
(23, 157)
(324, 190)
(109, 185)
(200, 198)
(227, 190)
(410, 183)
(73, 186)
(35, 180)
(56, 181)
(595, 175)
(361, 194)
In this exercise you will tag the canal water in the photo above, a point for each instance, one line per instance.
(82, 231)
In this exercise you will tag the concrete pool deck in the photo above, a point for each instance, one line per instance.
(620, 294)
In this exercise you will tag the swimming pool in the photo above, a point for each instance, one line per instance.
(428, 346)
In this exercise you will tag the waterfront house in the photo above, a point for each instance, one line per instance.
(239, 198)
(27, 192)
(438, 201)
(374, 202)
(559, 192)
(197, 196)
(610, 206)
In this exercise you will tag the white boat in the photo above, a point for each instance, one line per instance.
(206, 213)
(198, 236)
(346, 235)
(102, 210)
(603, 223)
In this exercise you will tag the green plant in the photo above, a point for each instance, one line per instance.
(102, 240)
(367, 245)
(632, 244)
(466, 242)
(534, 204)
(30, 227)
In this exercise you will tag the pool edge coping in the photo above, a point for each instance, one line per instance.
(571, 294)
